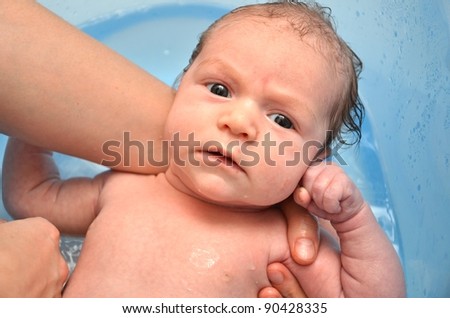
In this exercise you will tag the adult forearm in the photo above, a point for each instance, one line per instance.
(62, 90)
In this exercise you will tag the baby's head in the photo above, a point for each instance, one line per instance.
(313, 23)
(264, 85)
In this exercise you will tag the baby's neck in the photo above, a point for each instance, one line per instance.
(181, 190)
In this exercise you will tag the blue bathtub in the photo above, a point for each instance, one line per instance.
(402, 165)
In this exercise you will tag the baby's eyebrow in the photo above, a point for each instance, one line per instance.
(295, 105)
(221, 65)
(213, 61)
(276, 95)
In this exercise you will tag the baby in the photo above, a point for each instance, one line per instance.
(264, 85)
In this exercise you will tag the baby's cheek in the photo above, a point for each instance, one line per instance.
(287, 180)
(290, 154)
(291, 164)
(292, 180)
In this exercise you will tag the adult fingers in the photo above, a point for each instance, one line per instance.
(284, 281)
(303, 232)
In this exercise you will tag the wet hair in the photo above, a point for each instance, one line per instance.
(315, 22)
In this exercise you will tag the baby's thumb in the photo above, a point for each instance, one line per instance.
(302, 197)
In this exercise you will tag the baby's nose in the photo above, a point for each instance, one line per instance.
(241, 121)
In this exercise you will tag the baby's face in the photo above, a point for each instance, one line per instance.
(250, 115)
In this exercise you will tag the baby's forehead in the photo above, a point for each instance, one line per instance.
(309, 26)
(317, 34)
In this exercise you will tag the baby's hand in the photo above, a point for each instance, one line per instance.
(327, 192)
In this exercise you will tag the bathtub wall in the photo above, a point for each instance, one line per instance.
(405, 46)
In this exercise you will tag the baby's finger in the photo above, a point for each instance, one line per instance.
(331, 196)
(302, 197)
(311, 174)
(317, 211)
(327, 189)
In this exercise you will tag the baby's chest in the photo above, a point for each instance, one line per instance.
(152, 212)
(202, 238)
(202, 254)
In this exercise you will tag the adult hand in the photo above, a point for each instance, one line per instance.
(31, 264)
(283, 283)
(303, 231)
(303, 238)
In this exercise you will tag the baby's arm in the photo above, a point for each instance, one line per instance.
(369, 265)
(32, 187)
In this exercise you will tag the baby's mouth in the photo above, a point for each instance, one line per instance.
(219, 157)
(215, 157)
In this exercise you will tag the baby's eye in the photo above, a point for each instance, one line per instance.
(281, 120)
(219, 89)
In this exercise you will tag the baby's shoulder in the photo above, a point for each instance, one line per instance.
(120, 182)
(111, 177)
